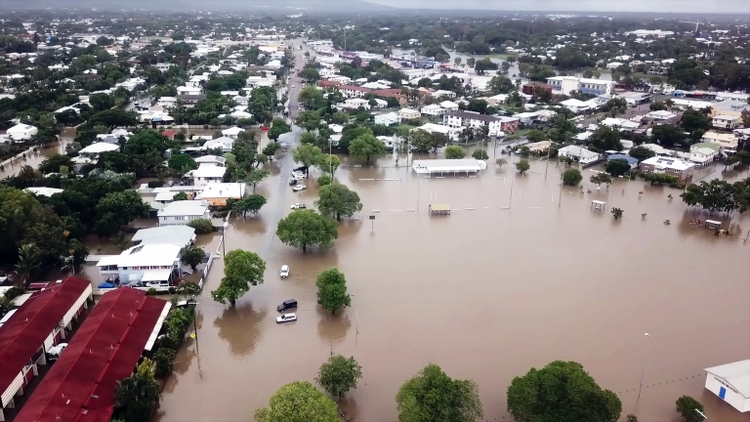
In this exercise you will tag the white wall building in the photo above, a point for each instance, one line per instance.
(462, 119)
(726, 122)
(207, 173)
(179, 213)
(731, 383)
(579, 154)
(150, 262)
(22, 132)
(564, 85)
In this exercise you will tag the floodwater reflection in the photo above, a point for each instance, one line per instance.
(241, 327)
(333, 328)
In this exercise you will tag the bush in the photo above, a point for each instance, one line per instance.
(152, 291)
(572, 177)
(164, 360)
(155, 184)
(201, 225)
(686, 406)
(324, 180)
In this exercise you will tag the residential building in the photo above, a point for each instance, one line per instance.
(167, 102)
(189, 90)
(579, 154)
(656, 33)
(729, 108)
(217, 194)
(22, 132)
(660, 115)
(564, 85)
(577, 106)
(150, 263)
(674, 166)
(224, 143)
(461, 119)
(356, 103)
(631, 160)
(726, 121)
(43, 191)
(443, 166)
(232, 132)
(561, 85)
(211, 159)
(622, 125)
(703, 153)
(726, 141)
(191, 100)
(432, 110)
(98, 148)
(205, 174)
(440, 93)
(386, 119)
(41, 322)
(351, 91)
(174, 235)
(408, 114)
(80, 386)
(451, 133)
(178, 213)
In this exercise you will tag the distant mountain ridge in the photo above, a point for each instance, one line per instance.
(292, 6)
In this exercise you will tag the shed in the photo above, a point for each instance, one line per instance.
(731, 382)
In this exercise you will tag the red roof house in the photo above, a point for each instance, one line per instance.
(106, 348)
(40, 323)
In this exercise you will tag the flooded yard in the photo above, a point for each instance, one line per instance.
(513, 278)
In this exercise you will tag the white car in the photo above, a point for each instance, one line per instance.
(54, 352)
(284, 271)
(286, 318)
(297, 206)
(299, 188)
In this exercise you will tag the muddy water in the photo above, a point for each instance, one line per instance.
(509, 281)
(33, 159)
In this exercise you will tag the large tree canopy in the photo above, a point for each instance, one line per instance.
(299, 401)
(304, 228)
(433, 396)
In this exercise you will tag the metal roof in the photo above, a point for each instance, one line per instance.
(736, 374)
(23, 334)
(80, 385)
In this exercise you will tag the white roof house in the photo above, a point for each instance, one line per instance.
(207, 173)
(451, 133)
(151, 262)
(99, 147)
(173, 235)
(622, 124)
(386, 119)
(41, 191)
(217, 194)
(224, 143)
(466, 165)
(731, 382)
(660, 115)
(724, 140)
(667, 163)
(182, 212)
(232, 132)
(22, 132)
(578, 153)
(211, 159)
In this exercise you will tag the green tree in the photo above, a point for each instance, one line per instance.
(454, 152)
(523, 166)
(367, 146)
(536, 135)
(716, 195)
(180, 196)
(53, 163)
(181, 163)
(201, 225)
(311, 98)
(242, 269)
(308, 120)
(192, 255)
(641, 153)
(338, 201)
(329, 163)
(433, 396)
(28, 264)
(500, 162)
(339, 375)
(500, 85)
(600, 178)
(667, 135)
(270, 149)
(249, 204)
(256, 176)
(304, 228)
(561, 392)
(617, 167)
(118, 209)
(299, 401)
(686, 406)
(307, 155)
(606, 138)
(136, 396)
(480, 154)
(693, 120)
(278, 127)
(164, 361)
(332, 295)
(324, 180)
(616, 213)
(572, 177)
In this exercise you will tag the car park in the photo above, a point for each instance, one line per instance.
(299, 188)
(287, 305)
(297, 206)
(286, 318)
(284, 273)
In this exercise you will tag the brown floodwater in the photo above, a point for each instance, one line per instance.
(511, 280)
(33, 159)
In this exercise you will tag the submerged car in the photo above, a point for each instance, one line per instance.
(297, 205)
(284, 273)
(287, 305)
(286, 318)
(299, 188)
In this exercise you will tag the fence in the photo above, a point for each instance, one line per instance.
(208, 266)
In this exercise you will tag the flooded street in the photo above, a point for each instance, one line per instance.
(33, 159)
(509, 281)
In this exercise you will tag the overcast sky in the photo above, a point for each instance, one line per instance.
(664, 6)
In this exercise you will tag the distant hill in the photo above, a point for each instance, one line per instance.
(290, 6)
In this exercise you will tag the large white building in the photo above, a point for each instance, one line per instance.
(179, 213)
(564, 85)
(462, 119)
(22, 132)
(731, 383)
(150, 263)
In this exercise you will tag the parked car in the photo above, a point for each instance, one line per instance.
(284, 273)
(54, 352)
(286, 318)
(297, 205)
(299, 188)
(293, 182)
(287, 305)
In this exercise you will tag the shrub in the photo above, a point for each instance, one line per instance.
(152, 291)
(201, 225)
(572, 177)
(164, 360)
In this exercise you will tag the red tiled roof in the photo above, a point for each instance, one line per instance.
(328, 83)
(80, 386)
(33, 322)
(354, 88)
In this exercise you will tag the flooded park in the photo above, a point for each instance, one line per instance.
(515, 277)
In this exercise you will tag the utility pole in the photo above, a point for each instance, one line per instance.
(549, 150)
(643, 370)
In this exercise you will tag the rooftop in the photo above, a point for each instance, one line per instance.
(736, 374)
(32, 323)
(224, 190)
(41, 191)
(668, 162)
(473, 116)
(209, 171)
(175, 235)
(448, 166)
(184, 208)
(99, 147)
(80, 385)
(149, 255)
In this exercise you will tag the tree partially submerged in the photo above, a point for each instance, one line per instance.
(338, 201)
(433, 396)
(332, 294)
(298, 401)
(305, 228)
(339, 375)
(242, 269)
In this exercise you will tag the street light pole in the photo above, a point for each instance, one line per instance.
(224, 239)
(643, 370)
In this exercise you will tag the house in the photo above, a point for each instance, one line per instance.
(432, 110)
(726, 141)
(217, 194)
(189, 90)
(167, 102)
(660, 115)
(43, 191)
(22, 132)
(726, 121)
(44, 320)
(703, 153)
(451, 133)
(211, 159)
(224, 143)
(206, 173)
(114, 136)
(179, 213)
(408, 114)
(577, 106)
(731, 383)
(508, 124)
(386, 119)
(191, 100)
(444, 166)
(635, 98)
(80, 386)
(99, 147)
(564, 85)
(449, 105)
(623, 125)
(461, 119)
(174, 235)
(351, 91)
(356, 103)
(232, 132)
(729, 108)
(440, 93)
(579, 154)
(674, 166)
(561, 85)
(150, 263)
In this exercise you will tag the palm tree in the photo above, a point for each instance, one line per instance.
(29, 261)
